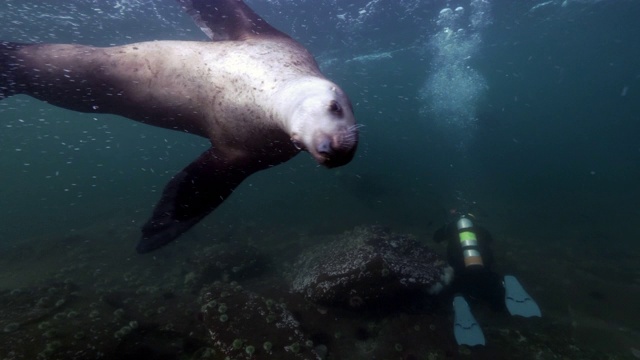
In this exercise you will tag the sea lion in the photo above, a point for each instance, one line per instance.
(253, 91)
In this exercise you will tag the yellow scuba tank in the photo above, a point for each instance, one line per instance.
(469, 243)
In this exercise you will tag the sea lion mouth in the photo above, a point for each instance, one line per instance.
(330, 150)
(336, 158)
(337, 150)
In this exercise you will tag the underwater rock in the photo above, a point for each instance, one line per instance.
(60, 321)
(29, 305)
(369, 266)
(244, 325)
(224, 262)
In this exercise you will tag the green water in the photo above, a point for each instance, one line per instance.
(549, 159)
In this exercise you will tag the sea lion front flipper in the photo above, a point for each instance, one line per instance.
(190, 195)
(228, 19)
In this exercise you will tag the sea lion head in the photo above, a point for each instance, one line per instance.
(322, 123)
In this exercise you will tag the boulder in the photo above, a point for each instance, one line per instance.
(369, 266)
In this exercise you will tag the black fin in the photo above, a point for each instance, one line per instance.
(228, 19)
(8, 65)
(190, 195)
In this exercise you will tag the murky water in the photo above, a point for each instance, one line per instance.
(523, 113)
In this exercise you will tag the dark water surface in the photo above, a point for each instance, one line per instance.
(528, 117)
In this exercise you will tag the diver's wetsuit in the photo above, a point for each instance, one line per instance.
(477, 282)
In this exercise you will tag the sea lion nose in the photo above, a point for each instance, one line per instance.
(324, 147)
(333, 151)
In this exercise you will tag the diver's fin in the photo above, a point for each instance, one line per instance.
(517, 300)
(190, 195)
(465, 328)
(228, 19)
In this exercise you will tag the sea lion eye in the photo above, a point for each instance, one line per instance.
(334, 107)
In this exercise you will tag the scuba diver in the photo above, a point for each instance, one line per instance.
(469, 253)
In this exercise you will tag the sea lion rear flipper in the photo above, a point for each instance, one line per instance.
(190, 195)
(228, 19)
